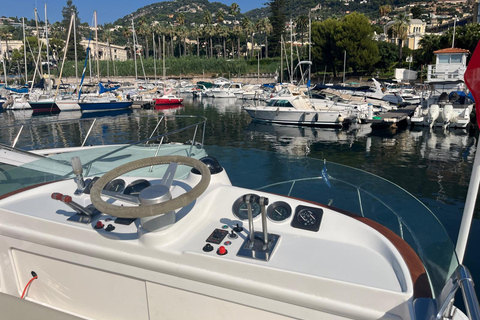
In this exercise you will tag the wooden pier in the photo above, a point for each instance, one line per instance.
(393, 117)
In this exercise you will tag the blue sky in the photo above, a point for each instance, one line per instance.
(107, 10)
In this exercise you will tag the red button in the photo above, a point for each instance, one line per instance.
(99, 225)
(222, 251)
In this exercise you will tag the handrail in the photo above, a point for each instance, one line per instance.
(462, 279)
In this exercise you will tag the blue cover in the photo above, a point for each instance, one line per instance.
(21, 90)
(102, 89)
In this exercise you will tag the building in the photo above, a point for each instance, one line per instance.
(416, 31)
(106, 51)
(450, 64)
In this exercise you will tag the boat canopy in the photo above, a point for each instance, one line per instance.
(17, 90)
(102, 89)
(361, 88)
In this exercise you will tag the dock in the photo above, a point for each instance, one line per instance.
(393, 117)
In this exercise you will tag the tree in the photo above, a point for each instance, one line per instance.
(264, 27)
(388, 55)
(234, 11)
(67, 13)
(399, 31)
(325, 51)
(417, 12)
(354, 35)
(302, 26)
(277, 19)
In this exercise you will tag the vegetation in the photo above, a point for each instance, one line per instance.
(212, 38)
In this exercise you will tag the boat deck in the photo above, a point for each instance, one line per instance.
(393, 117)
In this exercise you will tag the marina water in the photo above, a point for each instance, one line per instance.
(433, 165)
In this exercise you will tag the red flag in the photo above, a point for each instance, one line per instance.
(472, 79)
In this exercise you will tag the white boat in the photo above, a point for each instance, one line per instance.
(447, 110)
(194, 246)
(298, 110)
(232, 90)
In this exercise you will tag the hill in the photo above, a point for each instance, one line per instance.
(194, 10)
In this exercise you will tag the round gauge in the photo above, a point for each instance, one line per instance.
(279, 211)
(136, 186)
(117, 185)
(240, 207)
(307, 217)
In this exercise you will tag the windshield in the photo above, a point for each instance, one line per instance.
(349, 189)
(41, 152)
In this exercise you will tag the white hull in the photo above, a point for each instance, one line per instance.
(295, 117)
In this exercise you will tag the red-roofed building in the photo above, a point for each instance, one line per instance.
(450, 64)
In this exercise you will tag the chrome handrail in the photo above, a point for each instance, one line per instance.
(462, 279)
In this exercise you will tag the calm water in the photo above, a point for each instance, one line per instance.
(434, 166)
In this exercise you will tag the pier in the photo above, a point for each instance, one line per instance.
(393, 117)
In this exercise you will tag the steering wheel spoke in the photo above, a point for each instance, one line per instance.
(122, 197)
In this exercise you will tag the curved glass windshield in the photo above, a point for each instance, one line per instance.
(349, 189)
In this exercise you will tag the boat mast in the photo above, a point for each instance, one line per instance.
(39, 44)
(64, 57)
(96, 46)
(134, 51)
(75, 47)
(154, 57)
(309, 45)
(25, 50)
(291, 50)
(3, 60)
(281, 59)
(46, 36)
(163, 59)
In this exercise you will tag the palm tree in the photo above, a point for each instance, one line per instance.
(127, 33)
(144, 30)
(208, 28)
(237, 31)
(248, 28)
(385, 10)
(302, 26)
(264, 26)
(196, 32)
(399, 30)
(222, 31)
(234, 11)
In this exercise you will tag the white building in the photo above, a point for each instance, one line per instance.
(450, 64)
(106, 51)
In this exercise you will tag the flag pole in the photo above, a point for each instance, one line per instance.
(472, 80)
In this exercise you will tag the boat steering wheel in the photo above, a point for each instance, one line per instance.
(154, 209)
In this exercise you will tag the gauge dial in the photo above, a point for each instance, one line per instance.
(117, 185)
(136, 186)
(307, 217)
(279, 211)
(240, 207)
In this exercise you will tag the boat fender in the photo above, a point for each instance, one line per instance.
(340, 118)
(277, 111)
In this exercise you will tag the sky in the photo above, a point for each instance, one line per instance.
(107, 10)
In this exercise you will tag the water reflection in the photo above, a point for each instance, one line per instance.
(297, 140)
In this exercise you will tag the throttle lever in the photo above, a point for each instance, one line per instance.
(72, 204)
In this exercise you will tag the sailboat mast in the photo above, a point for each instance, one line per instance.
(3, 60)
(39, 45)
(46, 36)
(134, 51)
(309, 44)
(291, 51)
(163, 59)
(75, 47)
(154, 57)
(281, 59)
(25, 50)
(96, 46)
